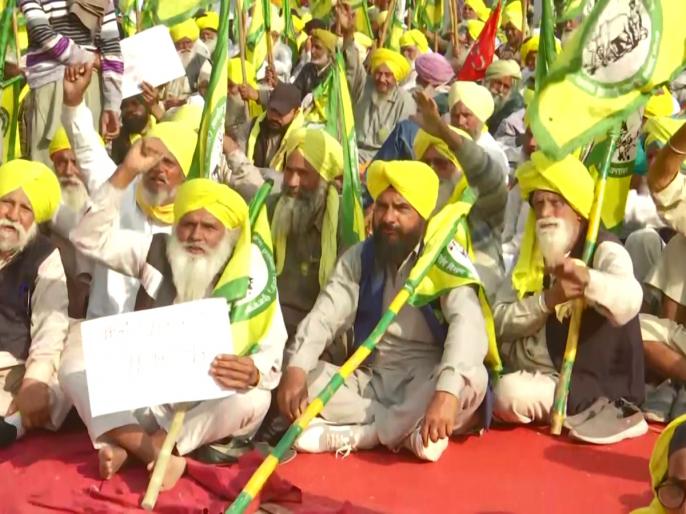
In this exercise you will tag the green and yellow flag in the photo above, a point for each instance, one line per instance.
(451, 269)
(352, 215)
(428, 15)
(211, 133)
(256, 40)
(619, 54)
(332, 108)
(620, 172)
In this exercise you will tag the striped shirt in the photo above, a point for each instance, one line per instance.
(58, 38)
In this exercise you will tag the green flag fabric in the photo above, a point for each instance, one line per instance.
(211, 133)
(607, 70)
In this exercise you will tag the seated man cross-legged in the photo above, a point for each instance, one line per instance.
(415, 390)
(210, 232)
(531, 313)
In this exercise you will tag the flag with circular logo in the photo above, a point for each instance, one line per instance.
(607, 70)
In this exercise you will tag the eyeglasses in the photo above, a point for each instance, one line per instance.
(671, 495)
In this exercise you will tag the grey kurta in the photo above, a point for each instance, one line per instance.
(375, 116)
(395, 386)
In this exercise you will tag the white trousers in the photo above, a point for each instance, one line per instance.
(239, 415)
(524, 397)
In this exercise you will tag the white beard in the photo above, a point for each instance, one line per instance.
(186, 58)
(16, 244)
(211, 45)
(158, 198)
(194, 275)
(74, 195)
(554, 238)
(295, 215)
(446, 187)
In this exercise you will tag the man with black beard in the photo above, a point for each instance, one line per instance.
(135, 120)
(263, 138)
(419, 386)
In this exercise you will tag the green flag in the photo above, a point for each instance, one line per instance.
(211, 132)
(607, 70)
(546, 48)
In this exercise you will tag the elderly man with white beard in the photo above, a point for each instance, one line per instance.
(33, 303)
(193, 53)
(75, 199)
(211, 234)
(148, 203)
(531, 313)
(502, 80)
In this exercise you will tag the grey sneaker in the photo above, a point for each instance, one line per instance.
(659, 402)
(580, 417)
(679, 404)
(619, 420)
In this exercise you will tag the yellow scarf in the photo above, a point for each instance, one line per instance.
(163, 214)
(659, 463)
(277, 161)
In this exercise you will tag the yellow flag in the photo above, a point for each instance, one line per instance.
(607, 70)
(12, 98)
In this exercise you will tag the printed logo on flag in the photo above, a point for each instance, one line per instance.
(619, 50)
(262, 289)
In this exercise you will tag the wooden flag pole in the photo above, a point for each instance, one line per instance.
(240, 19)
(389, 21)
(525, 23)
(453, 23)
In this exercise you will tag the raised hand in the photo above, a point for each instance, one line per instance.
(77, 78)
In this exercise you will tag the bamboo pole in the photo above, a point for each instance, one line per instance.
(261, 475)
(389, 21)
(155, 483)
(525, 22)
(240, 19)
(266, 7)
(453, 23)
(559, 410)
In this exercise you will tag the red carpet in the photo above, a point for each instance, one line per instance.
(504, 472)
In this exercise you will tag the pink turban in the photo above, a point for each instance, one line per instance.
(434, 69)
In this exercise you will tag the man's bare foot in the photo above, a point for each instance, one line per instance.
(176, 467)
(111, 459)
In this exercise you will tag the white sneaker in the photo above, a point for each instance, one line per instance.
(322, 437)
(432, 452)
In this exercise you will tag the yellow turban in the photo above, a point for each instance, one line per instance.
(327, 38)
(568, 178)
(659, 465)
(179, 138)
(530, 45)
(479, 7)
(660, 129)
(474, 27)
(236, 72)
(320, 149)
(189, 115)
(210, 20)
(219, 200)
(228, 207)
(423, 141)
(474, 97)
(187, 29)
(513, 14)
(38, 183)
(59, 142)
(504, 68)
(661, 104)
(325, 155)
(416, 182)
(415, 37)
(395, 61)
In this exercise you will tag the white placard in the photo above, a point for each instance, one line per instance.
(149, 56)
(156, 356)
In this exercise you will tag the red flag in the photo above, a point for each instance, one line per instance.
(481, 54)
